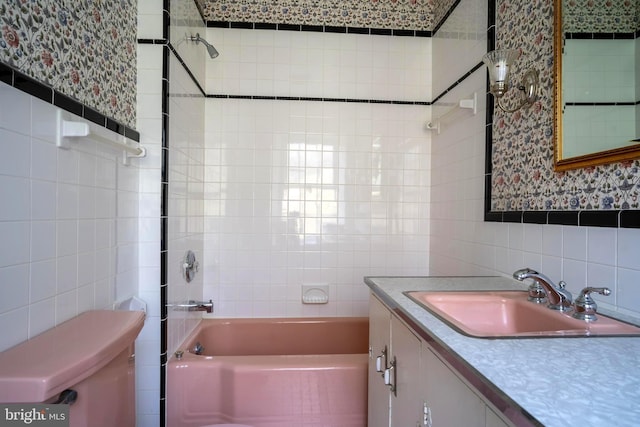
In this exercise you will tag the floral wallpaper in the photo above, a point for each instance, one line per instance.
(85, 49)
(388, 14)
(600, 16)
(523, 175)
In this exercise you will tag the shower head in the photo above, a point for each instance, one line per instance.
(213, 53)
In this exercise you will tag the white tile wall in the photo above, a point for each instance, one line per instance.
(465, 244)
(149, 124)
(313, 192)
(59, 222)
(288, 63)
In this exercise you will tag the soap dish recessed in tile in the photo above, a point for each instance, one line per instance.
(315, 293)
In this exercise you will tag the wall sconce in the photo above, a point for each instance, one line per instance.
(499, 64)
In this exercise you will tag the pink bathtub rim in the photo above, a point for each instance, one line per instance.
(281, 336)
(272, 390)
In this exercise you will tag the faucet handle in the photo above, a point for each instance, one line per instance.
(585, 306)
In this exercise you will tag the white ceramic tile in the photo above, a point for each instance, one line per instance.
(16, 149)
(42, 316)
(15, 194)
(628, 291)
(44, 121)
(66, 306)
(14, 326)
(67, 237)
(601, 245)
(14, 245)
(43, 280)
(43, 240)
(43, 159)
(43, 200)
(628, 248)
(14, 287)
(574, 242)
(18, 117)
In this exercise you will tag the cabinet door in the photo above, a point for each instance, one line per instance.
(493, 420)
(407, 399)
(379, 340)
(450, 401)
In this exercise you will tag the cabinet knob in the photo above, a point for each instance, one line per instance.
(390, 376)
(381, 364)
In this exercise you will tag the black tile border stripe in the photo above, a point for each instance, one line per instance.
(37, 89)
(317, 99)
(600, 104)
(600, 36)
(319, 28)
(615, 218)
(457, 82)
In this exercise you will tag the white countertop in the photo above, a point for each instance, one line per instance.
(586, 382)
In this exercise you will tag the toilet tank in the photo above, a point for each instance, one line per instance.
(92, 354)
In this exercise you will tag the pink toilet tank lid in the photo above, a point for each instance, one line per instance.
(55, 360)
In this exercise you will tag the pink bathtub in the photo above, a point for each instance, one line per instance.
(293, 372)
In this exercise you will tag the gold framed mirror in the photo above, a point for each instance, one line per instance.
(597, 110)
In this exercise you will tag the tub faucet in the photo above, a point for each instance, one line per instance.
(201, 306)
(559, 298)
(192, 305)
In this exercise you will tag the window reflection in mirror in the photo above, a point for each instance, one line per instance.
(596, 56)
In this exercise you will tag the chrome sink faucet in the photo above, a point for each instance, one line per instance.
(558, 297)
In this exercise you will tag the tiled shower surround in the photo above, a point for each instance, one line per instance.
(312, 191)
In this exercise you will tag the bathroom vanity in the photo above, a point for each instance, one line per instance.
(422, 372)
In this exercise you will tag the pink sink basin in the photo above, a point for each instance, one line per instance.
(508, 314)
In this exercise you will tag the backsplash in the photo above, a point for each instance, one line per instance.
(84, 49)
(388, 14)
(523, 172)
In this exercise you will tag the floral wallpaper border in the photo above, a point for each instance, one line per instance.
(523, 176)
(600, 16)
(386, 14)
(85, 49)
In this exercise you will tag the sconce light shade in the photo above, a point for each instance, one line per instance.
(499, 63)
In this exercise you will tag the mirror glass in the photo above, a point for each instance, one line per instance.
(597, 87)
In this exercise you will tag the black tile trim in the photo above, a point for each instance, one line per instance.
(37, 89)
(598, 218)
(186, 68)
(457, 82)
(563, 217)
(32, 87)
(317, 99)
(600, 36)
(630, 219)
(615, 218)
(534, 217)
(381, 32)
(94, 116)
(599, 104)
(398, 32)
(6, 74)
(266, 26)
(68, 104)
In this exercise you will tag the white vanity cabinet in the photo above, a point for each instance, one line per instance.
(419, 389)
